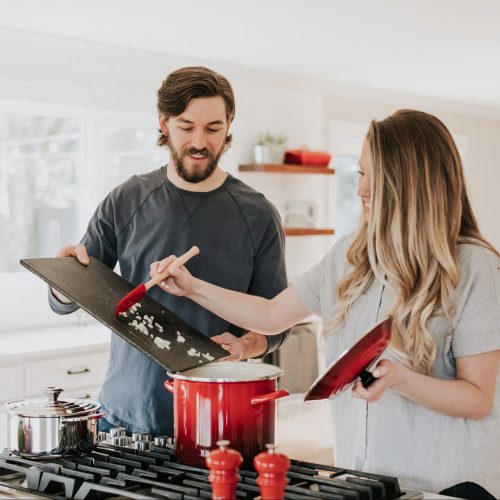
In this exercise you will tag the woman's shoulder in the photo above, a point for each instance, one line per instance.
(341, 246)
(335, 260)
(472, 255)
(338, 252)
(479, 268)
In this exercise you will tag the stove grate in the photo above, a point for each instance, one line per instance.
(112, 471)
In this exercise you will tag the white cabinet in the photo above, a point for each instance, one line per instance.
(11, 382)
(69, 372)
(11, 387)
(84, 393)
(78, 370)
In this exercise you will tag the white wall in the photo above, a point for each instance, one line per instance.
(81, 75)
(476, 132)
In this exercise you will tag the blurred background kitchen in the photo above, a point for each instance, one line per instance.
(77, 117)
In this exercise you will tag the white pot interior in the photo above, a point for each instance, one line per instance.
(230, 371)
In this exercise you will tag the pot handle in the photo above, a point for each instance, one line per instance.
(266, 398)
(169, 385)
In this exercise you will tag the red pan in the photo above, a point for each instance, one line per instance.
(354, 363)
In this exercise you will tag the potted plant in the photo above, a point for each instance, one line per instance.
(270, 148)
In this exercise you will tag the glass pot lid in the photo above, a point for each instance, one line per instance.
(52, 406)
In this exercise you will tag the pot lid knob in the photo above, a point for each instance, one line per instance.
(272, 468)
(52, 393)
(223, 464)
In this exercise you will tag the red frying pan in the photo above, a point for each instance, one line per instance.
(354, 363)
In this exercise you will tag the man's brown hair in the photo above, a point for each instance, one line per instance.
(192, 82)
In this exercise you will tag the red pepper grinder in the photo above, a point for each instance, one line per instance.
(272, 468)
(223, 464)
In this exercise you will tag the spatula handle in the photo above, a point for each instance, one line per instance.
(176, 263)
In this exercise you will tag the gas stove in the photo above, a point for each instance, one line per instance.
(121, 468)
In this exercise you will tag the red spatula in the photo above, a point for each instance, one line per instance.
(139, 291)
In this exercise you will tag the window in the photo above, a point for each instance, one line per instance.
(39, 182)
(345, 142)
(54, 170)
(347, 203)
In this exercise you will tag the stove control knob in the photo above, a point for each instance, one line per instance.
(118, 431)
(140, 436)
(272, 468)
(142, 445)
(223, 464)
(162, 441)
(101, 436)
(121, 440)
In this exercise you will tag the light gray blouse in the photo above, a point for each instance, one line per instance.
(426, 450)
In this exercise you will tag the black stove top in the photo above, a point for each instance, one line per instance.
(112, 472)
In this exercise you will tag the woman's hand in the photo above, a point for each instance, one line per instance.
(388, 375)
(470, 395)
(180, 282)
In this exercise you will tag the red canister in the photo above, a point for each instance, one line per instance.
(225, 400)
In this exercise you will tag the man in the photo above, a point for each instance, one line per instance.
(190, 201)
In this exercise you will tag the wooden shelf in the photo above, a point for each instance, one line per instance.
(307, 231)
(286, 169)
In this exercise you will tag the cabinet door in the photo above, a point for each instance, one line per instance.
(71, 372)
(11, 382)
(84, 393)
(11, 388)
(3, 428)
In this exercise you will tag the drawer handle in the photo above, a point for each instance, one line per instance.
(77, 372)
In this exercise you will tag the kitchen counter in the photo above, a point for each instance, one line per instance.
(27, 343)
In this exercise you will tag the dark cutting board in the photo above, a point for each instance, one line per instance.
(97, 289)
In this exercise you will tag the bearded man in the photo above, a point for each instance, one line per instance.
(190, 201)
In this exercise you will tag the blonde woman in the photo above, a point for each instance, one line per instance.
(419, 257)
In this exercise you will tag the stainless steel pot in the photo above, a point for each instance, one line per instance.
(52, 427)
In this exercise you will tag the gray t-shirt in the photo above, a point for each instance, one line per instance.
(147, 218)
(427, 450)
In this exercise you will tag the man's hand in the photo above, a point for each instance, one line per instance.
(80, 252)
(250, 345)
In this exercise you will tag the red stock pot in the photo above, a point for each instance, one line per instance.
(233, 401)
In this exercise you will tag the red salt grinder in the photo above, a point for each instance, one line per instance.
(223, 464)
(272, 468)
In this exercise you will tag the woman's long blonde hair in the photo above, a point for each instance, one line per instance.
(420, 211)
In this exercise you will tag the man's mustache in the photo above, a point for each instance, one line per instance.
(194, 151)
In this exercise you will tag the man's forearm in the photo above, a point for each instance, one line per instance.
(60, 307)
(60, 297)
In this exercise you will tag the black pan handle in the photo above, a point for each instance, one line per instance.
(367, 378)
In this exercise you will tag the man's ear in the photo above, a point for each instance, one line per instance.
(163, 124)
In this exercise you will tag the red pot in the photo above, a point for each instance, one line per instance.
(233, 401)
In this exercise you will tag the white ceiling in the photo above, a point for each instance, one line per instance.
(438, 48)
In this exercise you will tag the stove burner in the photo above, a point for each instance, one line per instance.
(112, 471)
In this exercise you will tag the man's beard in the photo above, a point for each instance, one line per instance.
(196, 174)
